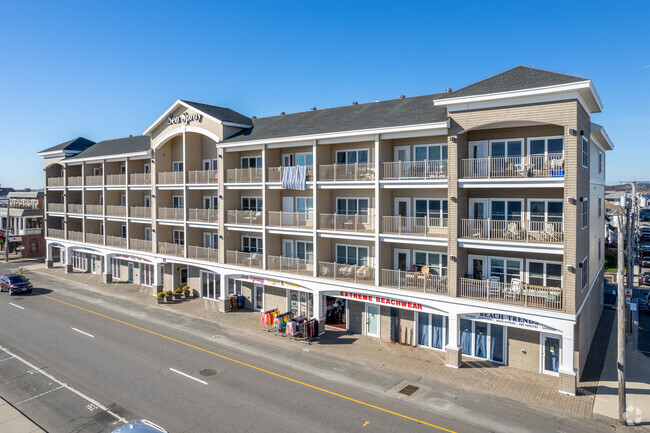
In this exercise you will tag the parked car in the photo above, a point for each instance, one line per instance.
(15, 283)
(645, 262)
(140, 426)
(645, 279)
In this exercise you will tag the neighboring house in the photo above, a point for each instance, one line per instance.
(26, 222)
(470, 221)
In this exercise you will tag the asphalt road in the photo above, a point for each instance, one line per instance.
(75, 361)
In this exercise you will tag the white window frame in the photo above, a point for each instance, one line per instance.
(346, 151)
(585, 154)
(305, 155)
(347, 199)
(491, 200)
(306, 243)
(147, 233)
(212, 162)
(259, 203)
(178, 235)
(584, 274)
(123, 200)
(427, 146)
(123, 231)
(212, 279)
(584, 213)
(357, 247)
(522, 141)
(429, 214)
(546, 202)
(97, 171)
(248, 159)
(542, 337)
(123, 169)
(258, 241)
(546, 139)
(146, 200)
(101, 228)
(178, 166)
(445, 326)
(178, 199)
(443, 271)
(488, 343)
(488, 272)
(544, 273)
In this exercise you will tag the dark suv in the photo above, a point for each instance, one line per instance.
(15, 284)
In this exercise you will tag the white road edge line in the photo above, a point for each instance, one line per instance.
(69, 388)
(81, 332)
(40, 395)
(17, 306)
(188, 376)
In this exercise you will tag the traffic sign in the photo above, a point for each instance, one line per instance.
(628, 293)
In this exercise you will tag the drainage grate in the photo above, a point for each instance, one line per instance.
(208, 372)
(409, 389)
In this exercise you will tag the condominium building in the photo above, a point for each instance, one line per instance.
(468, 221)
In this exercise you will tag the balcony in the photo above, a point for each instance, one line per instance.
(75, 236)
(290, 265)
(210, 216)
(297, 220)
(55, 181)
(170, 178)
(140, 179)
(516, 292)
(75, 181)
(93, 209)
(244, 217)
(202, 177)
(116, 179)
(203, 253)
(95, 238)
(25, 231)
(115, 241)
(415, 281)
(140, 212)
(244, 175)
(115, 211)
(140, 245)
(348, 223)
(171, 249)
(75, 208)
(94, 180)
(56, 207)
(513, 231)
(56, 233)
(347, 172)
(415, 170)
(535, 166)
(274, 174)
(415, 226)
(349, 273)
(171, 213)
(248, 260)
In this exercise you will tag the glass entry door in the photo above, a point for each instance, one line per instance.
(372, 320)
(551, 355)
(259, 297)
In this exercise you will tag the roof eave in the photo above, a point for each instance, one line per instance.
(599, 133)
(55, 153)
(110, 156)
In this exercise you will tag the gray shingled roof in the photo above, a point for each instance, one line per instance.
(382, 114)
(118, 146)
(77, 144)
(221, 113)
(519, 78)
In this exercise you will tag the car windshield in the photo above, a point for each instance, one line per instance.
(17, 279)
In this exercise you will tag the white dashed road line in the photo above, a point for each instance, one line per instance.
(93, 402)
(84, 333)
(17, 306)
(40, 395)
(188, 376)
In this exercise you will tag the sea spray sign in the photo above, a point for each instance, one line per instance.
(185, 118)
(508, 320)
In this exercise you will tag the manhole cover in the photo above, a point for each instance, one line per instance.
(208, 372)
(409, 389)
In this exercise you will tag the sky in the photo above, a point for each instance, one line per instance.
(105, 70)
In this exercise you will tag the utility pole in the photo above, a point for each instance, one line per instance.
(621, 324)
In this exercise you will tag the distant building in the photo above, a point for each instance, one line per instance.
(24, 227)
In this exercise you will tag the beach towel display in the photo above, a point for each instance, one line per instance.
(281, 321)
(268, 316)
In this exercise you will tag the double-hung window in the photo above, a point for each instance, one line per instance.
(177, 166)
(585, 152)
(178, 237)
(352, 206)
(548, 274)
(437, 262)
(251, 244)
(251, 162)
(352, 156)
(251, 203)
(352, 255)
(435, 210)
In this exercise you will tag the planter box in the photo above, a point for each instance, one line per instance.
(161, 300)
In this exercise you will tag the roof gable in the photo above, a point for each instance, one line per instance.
(75, 145)
(119, 146)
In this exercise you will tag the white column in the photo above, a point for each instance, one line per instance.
(453, 323)
(157, 274)
(184, 195)
(566, 353)
(315, 212)
(375, 216)
(264, 208)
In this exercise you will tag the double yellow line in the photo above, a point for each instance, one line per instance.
(252, 366)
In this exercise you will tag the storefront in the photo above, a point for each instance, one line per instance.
(336, 312)
(132, 270)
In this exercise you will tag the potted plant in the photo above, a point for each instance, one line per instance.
(186, 292)
(178, 293)
(168, 295)
(161, 297)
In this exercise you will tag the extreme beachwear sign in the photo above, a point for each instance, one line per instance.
(380, 300)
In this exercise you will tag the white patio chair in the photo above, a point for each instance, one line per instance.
(513, 291)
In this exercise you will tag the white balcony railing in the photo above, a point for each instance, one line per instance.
(204, 215)
(517, 230)
(75, 236)
(170, 178)
(415, 170)
(515, 292)
(351, 223)
(115, 211)
(202, 253)
(347, 172)
(551, 165)
(55, 181)
(202, 177)
(95, 180)
(116, 179)
(56, 207)
(115, 241)
(140, 244)
(418, 226)
(95, 238)
(244, 217)
(244, 175)
(93, 209)
(171, 213)
(248, 260)
(350, 273)
(169, 249)
(140, 212)
(274, 174)
(290, 264)
(140, 179)
(416, 281)
(75, 180)
(75, 208)
(302, 220)
(56, 233)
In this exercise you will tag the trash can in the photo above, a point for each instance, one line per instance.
(241, 301)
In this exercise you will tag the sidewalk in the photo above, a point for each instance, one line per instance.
(12, 420)
(421, 366)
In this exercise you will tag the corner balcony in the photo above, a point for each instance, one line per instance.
(203, 253)
(290, 264)
(515, 292)
(202, 177)
(115, 211)
(171, 213)
(116, 179)
(244, 217)
(244, 175)
(296, 220)
(92, 209)
(95, 180)
(347, 172)
(141, 212)
(170, 178)
(274, 174)
(115, 241)
(55, 181)
(513, 231)
(170, 249)
(414, 281)
(75, 180)
(415, 170)
(140, 179)
(247, 260)
(414, 226)
(349, 273)
(75, 208)
(529, 166)
(140, 245)
(56, 207)
(56, 233)
(210, 216)
(347, 223)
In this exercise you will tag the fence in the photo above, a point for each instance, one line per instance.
(343, 272)
(419, 226)
(291, 219)
(551, 165)
(415, 281)
(356, 172)
(515, 292)
(354, 223)
(415, 170)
